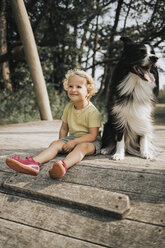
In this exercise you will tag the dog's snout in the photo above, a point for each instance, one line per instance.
(153, 59)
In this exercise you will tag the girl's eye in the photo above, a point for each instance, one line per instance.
(79, 87)
(70, 86)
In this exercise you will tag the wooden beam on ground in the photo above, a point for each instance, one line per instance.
(79, 196)
(32, 57)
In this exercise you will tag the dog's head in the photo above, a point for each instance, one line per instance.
(140, 57)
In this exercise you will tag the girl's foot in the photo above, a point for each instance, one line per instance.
(27, 166)
(58, 170)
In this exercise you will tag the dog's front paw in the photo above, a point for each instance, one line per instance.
(118, 156)
(105, 151)
(147, 155)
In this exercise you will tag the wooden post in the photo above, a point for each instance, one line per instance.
(32, 57)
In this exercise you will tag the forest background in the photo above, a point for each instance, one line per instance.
(74, 34)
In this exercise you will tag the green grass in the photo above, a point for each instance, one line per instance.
(159, 116)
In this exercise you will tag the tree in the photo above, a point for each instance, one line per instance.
(84, 34)
(5, 70)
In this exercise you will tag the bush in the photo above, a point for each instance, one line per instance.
(21, 106)
(17, 107)
(162, 96)
(159, 116)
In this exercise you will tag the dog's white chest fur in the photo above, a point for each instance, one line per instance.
(136, 112)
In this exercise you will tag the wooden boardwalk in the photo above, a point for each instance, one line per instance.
(99, 203)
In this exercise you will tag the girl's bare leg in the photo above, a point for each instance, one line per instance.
(50, 152)
(79, 153)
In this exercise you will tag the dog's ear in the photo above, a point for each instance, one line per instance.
(127, 41)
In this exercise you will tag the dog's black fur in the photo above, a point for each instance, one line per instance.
(133, 92)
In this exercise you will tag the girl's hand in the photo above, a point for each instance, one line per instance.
(69, 146)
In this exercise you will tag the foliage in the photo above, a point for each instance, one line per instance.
(162, 95)
(18, 106)
(74, 33)
(159, 116)
(84, 34)
(21, 106)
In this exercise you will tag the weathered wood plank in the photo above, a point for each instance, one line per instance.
(139, 211)
(16, 235)
(77, 195)
(4, 175)
(138, 185)
(147, 212)
(131, 163)
(46, 130)
(30, 134)
(141, 179)
(82, 225)
(100, 161)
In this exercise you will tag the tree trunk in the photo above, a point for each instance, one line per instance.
(109, 67)
(32, 57)
(95, 42)
(3, 46)
(127, 14)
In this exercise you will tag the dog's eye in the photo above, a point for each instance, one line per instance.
(152, 52)
(142, 51)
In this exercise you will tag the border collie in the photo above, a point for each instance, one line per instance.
(133, 93)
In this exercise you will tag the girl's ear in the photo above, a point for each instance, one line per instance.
(87, 93)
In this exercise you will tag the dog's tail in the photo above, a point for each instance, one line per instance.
(132, 143)
(131, 150)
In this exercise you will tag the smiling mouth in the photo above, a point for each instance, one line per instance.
(144, 72)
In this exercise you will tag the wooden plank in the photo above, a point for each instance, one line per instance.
(9, 136)
(16, 235)
(139, 211)
(147, 212)
(131, 163)
(82, 225)
(94, 199)
(138, 185)
(4, 175)
(99, 161)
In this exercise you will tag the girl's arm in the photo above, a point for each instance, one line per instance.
(90, 137)
(63, 130)
(87, 138)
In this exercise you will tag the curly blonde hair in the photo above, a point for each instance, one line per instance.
(90, 83)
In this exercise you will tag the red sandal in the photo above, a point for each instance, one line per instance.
(58, 170)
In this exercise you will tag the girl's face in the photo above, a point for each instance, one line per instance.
(77, 89)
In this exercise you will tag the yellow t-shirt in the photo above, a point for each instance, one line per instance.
(79, 121)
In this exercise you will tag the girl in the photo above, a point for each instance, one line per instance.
(81, 120)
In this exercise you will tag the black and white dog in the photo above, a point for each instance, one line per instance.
(133, 92)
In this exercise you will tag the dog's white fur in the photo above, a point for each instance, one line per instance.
(146, 59)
